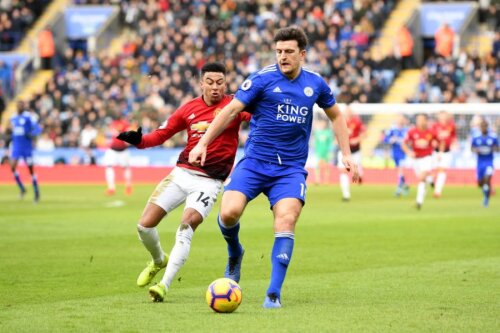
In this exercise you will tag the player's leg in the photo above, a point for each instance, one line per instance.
(179, 253)
(442, 165)
(127, 171)
(423, 167)
(34, 179)
(17, 177)
(110, 159)
(246, 182)
(343, 179)
(199, 202)
(287, 197)
(232, 206)
(486, 185)
(165, 198)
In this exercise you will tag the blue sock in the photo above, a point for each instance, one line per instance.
(486, 194)
(280, 258)
(401, 181)
(34, 181)
(19, 182)
(234, 248)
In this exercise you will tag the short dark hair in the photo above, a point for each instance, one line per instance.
(216, 67)
(292, 33)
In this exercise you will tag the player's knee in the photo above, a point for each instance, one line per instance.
(230, 216)
(285, 223)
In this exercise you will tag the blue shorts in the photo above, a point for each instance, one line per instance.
(484, 170)
(27, 155)
(252, 177)
(398, 158)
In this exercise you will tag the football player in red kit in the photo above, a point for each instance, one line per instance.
(197, 186)
(117, 155)
(419, 144)
(356, 135)
(446, 135)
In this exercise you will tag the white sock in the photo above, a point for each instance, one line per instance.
(110, 178)
(151, 240)
(344, 185)
(421, 192)
(127, 174)
(440, 180)
(429, 179)
(179, 253)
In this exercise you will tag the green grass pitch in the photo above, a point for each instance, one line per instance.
(375, 264)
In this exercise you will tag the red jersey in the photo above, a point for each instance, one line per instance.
(421, 141)
(355, 128)
(115, 128)
(445, 134)
(195, 116)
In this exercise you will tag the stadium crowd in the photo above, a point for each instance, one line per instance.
(158, 66)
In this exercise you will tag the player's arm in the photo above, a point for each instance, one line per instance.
(220, 122)
(175, 123)
(342, 134)
(406, 148)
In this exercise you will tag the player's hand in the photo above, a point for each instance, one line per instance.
(197, 155)
(351, 167)
(132, 137)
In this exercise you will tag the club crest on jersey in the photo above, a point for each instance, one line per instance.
(200, 126)
(308, 91)
(246, 84)
(217, 111)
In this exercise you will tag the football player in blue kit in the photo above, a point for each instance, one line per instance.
(394, 137)
(281, 99)
(485, 146)
(24, 128)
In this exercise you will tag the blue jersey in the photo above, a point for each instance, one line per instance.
(282, 113)
(395, 136)
(24, 128)
(485, 145)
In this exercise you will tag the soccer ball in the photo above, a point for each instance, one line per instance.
(223, 295)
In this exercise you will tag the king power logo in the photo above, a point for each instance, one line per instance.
(292, 113)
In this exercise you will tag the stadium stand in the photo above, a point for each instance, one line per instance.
(157, 68)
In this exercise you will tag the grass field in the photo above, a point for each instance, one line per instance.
(374, 264)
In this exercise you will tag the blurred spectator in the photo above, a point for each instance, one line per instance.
(16, 17)
(444, 38)
(405, 47)
(46, 48)
(2, 104)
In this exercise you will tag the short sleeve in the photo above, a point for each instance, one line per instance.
(325, 97)
(250, 89)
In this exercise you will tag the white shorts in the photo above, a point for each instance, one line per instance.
(422, 165)
(199, 192)
(442, 160)
(356, 158)
(116, 158)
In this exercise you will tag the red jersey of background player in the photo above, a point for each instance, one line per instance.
(356, 128)
(445, 134)
(195, 117)
(116, 127)
(421, 141)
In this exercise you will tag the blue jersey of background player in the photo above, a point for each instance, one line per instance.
(485, 145)
(394, 137)
(281, 99)
(24, 128)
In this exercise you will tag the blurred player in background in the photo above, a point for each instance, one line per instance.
(419, 144)
(323, 147)
(197, 186)
(446, 135)
(281, 99)
(356, 135)
(485, 145)
(24, 127)
(394, 137)
(117, 154)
